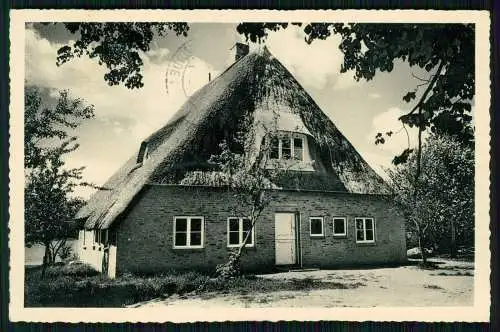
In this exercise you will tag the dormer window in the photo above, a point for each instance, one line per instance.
(287, 147)
(143, 153)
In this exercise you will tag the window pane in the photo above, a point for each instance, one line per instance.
(359, 224)
(369, 235)
(297, 148)
(195, 238)
(234, 225)
(196, 225)
(338, 226)
(234, 237)
(250, 238)
(274, 152)
(180, 239)
(316, 227)
(181, 225)
(286, 149)
(359, 235)
(246, 225)
(369, 223)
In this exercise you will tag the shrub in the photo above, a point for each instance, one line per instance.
(81, 286)
(75, 270)
(65, 252)
(231, 269)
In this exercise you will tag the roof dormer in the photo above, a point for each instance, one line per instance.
(143, 154)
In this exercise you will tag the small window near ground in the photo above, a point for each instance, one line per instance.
(188, 232)
(339, 227)
(316, 226)
(365, 230)
(237, 230)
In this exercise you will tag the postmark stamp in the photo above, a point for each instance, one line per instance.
(179, 64)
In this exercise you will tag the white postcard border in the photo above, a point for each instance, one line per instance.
(478, 312)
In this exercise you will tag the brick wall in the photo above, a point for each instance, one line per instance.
(145, 239)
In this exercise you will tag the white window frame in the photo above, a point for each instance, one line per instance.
(291, 137)
(322, 227)
(188, 233)
(364, 229)
(241, 234)
(345, 227)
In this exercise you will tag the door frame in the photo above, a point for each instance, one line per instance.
(297, 235)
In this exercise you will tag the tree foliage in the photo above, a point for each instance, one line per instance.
(442, 212)
(441, 102)
(48, 183)
(44, 124)
(118, 46)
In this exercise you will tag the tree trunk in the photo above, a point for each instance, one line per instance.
(58, 247)
(453, 244)
(45, 259)
(423, 254)
(421, 246)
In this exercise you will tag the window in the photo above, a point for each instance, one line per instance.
(365, 230)
(316, 226)
(287, 148)
(188, 232)
(298, 151)
(237, 230)
(275, 148)
(339, 226)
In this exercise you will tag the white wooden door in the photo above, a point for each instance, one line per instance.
(285, 238)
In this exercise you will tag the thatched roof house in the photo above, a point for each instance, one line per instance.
(254, 92)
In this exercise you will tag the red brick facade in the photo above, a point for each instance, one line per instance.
(145, 233)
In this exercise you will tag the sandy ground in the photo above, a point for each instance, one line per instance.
(450, 285)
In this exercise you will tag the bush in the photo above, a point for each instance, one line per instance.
(65, 252)
(75, 270)
(231, 269)
(81, 286)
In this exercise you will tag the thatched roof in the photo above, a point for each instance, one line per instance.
(249, 88)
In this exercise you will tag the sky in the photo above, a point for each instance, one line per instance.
(123, 117)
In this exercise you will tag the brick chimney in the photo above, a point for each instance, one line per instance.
(239, 50)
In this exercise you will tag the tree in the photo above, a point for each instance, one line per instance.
(443, 212)
(119, 46)
(49, 185)
(441, 102)
(244, 166)
(445, 51)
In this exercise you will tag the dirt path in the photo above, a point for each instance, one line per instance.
(451, 285)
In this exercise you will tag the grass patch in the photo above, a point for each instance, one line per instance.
(62, 288)
(254, 285)
(454, 274)
(81, 286)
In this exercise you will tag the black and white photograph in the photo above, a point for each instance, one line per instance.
(198, 165)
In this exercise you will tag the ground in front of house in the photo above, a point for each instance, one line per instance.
(451, 284)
